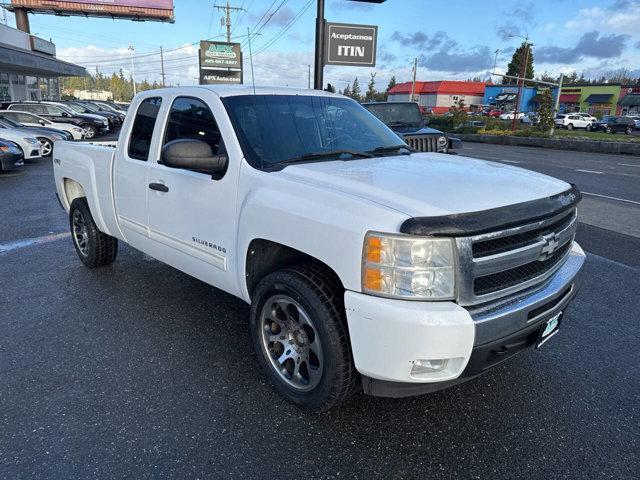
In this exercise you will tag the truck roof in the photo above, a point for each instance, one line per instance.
(233, 90)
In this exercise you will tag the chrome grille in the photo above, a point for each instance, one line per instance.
(496, 264)
(422, 143)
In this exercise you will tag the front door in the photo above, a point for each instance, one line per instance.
(130, 174)
(192, 217)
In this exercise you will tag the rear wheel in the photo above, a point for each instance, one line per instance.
(46, 146)
(608, 129)
(628, 131)
(570, 126)
(90, 131)
(588, 128)
(299, 333)
(94, 247)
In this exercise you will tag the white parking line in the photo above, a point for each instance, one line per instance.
(28, 242)
(611, 198)
(629, 165)
(509, 161)
(589, 171)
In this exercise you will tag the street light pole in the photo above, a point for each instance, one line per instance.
(523, 74)
(133, 71)
(556, 105)
(318, 73)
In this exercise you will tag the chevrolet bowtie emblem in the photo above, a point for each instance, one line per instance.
(550, 244)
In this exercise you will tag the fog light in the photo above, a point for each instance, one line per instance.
(425, 367)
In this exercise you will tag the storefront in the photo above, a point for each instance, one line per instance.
(569, 102)
(504, 97)
(439, 96)
(629, 103)
(29, 69)
(596, 99)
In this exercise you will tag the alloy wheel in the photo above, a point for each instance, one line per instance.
(47, 147)
(80, 232)
(290, 341)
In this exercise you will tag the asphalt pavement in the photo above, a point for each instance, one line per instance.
(138, 371)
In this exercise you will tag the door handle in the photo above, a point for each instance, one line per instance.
(160, 187)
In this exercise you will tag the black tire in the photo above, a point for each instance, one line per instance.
(321, 297)
(570, 126)
(628, 131)
(90, 130)
(588, 129)
(608, 130)
(94, 247)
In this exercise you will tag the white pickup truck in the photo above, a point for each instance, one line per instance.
(366, 264)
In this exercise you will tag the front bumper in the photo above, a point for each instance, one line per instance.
(11, 160)
(389, 336)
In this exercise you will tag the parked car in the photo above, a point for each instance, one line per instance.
(636, 121)
(114, 119)
(28, 144)
(613, 124)
(33, 120)
(587, 116)
(405, 119)
(495, 113)
(573, 120)
(510, 115)
(58, 113)
(365, 264)
(110, 108)
(10, 156)
(46, 136)
(531, 118)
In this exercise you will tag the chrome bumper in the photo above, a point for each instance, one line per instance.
(531, 307)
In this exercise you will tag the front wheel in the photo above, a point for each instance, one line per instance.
(90, 131)
(608, 130)
(628, 131)
(588, 128)
(299, 333)
(46, 146)
(570, 126)
(94, 247)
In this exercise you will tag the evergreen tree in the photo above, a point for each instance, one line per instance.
(545, 110)
(347, 90)
(514, 68)
(370, 95)
(355, 90)
(392, 83)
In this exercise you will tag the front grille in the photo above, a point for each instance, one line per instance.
(500, 263)
(511, 242)
(509, 278)
(422, 143)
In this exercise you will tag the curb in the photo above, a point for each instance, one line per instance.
(627, 148)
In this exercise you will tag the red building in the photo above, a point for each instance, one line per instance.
(440, 95)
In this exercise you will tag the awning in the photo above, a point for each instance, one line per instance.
(569, 98)
(24, 62)
(505, 97)
(599, 98)
(630, 100)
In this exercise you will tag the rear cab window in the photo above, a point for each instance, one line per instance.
(142, 129)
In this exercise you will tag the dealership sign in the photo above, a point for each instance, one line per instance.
(220, 55)
(348, 44)
(132, 9)
(220, 62)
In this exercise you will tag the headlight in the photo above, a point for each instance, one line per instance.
(79, 130)
(32, 141)
(442, 141)
(405, 266)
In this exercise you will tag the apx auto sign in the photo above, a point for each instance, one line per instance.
(220, 55)
(348, 44)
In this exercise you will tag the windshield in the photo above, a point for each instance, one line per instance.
(275, 129)
(608, 118)
(70, 111)
(78, 108)
(90, 107)
(397, 113)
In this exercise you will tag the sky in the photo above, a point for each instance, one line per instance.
(452, 39)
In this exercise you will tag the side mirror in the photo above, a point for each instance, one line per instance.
(425, 121)
(42, 122)
(65, 114)
(193, 155)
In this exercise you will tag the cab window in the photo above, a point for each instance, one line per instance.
(191, 118)
(142, 130)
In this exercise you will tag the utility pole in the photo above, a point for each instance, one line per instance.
(556, 105)
(413, 84)
(133, 70)
(309, 77)
(162, 64)
(523, 75)
(228, 9)
(97, 74)
(253, 77)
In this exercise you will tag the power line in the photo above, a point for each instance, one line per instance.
(285, 29)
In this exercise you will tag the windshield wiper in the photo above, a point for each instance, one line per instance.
(394, 148)
(317, 156)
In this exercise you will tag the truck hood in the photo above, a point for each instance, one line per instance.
(428, 184)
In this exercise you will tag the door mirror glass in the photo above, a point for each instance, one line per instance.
(194, 155)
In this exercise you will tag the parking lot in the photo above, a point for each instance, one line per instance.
(138, 371)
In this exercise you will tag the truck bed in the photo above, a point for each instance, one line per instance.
(91, 166)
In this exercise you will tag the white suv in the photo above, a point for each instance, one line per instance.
(573, 120)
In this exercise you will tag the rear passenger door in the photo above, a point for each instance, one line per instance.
(130, 173)
(193, 220)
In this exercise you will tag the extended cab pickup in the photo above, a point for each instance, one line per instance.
(366, 264)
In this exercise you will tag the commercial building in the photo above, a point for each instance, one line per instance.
(504, 97)
(29, 69)
(596, 99)
(629, 100)
(439, 96)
